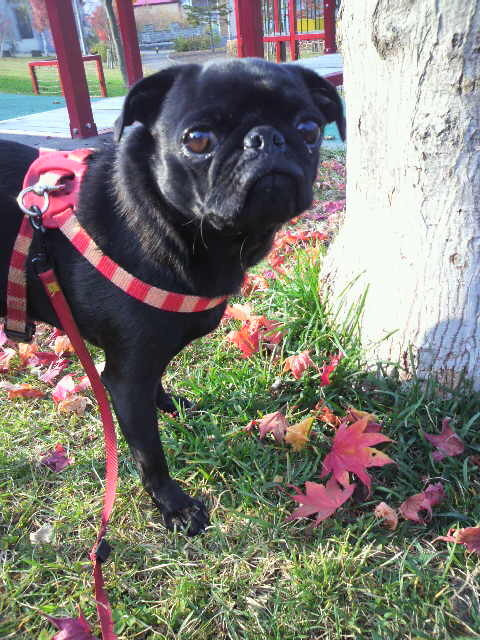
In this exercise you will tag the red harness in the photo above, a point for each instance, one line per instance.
(49, 197)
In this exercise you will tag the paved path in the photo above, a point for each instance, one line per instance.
(55, 123)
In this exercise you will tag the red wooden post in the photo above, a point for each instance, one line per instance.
(101, 76)
(33, 77)
(292, 25)
(128, 32)
(72, 72)
(248, 16)
(329, 26)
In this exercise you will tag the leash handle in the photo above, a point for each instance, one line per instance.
(101, 548)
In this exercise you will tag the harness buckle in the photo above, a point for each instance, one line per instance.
(21, 336)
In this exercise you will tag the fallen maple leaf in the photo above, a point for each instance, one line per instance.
(26, 351)
(57, 459)
(387, 514)
(410, 509)
(238, 312)
(83, 384)
(54, 370)
(373, 426)
(297, 364)
(73, 404)
(448, 443)
(72, 628)
(64, 388)
(23, 390)
(62, 344)
(325, 414)
(247, 343)
(298, 434)
(351, 451)
(319, 499)
(469, 537)
(329, 368)
(274, 423)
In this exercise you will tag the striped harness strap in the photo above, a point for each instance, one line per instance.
(50, 191)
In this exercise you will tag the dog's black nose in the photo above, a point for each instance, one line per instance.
(265, 138)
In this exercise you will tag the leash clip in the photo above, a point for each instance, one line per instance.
(38, 189)
(103, 550)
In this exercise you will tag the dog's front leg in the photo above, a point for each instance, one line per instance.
(134, 401)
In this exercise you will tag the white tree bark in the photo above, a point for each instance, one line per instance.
(412, 227)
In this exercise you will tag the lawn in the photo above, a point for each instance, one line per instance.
(15, 77)
(252, 575)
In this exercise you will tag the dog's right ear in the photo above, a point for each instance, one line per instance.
(144, 99)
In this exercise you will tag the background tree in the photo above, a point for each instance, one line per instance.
(6, 30)
(208, 15)
(117, 41)
(412, 229)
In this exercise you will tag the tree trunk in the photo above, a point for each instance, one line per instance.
(117, 41)
(412, 227)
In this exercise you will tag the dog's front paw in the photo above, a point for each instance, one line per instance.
(170, 403)
(180, 510)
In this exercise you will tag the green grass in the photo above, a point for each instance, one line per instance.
(15, 77)
(252, 575)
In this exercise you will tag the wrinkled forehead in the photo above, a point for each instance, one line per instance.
(241, 87)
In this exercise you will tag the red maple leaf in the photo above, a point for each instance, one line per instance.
(351, 452)
(54, 370)
(448, 443)
(57, 459)
(274, 423)
(298, 363)
(329, 368)
(325, 414)
(410, 509)
(470, 537)
(72, 628)
(64, 388)
(319, 499)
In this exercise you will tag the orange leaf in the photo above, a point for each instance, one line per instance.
(245, 341)
(351, 452)
(298, 434)
(274, 423)
(297, 364)
(319, 499)
(325, 414)
(26, 351)
(62, 344)
(373, 425)
(448, 443)
(73, 404)
(24, 390)
(238, 312)
(387, 514)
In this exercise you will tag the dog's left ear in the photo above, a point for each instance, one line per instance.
(145, 98)
(324, 95)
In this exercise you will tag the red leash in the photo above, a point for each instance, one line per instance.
(101, 548)
(48, 199)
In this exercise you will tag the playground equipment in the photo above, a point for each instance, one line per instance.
(46, 77)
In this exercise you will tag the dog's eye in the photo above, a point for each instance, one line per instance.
(310, 131)
(199, 141)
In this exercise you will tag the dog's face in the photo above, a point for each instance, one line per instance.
(236, 142)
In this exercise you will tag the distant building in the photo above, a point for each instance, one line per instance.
(157, 14)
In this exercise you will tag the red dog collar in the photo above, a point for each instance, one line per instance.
(52, 186)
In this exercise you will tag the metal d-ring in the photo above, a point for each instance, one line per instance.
(40, 190)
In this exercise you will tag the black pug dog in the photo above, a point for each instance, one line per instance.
(225, 153)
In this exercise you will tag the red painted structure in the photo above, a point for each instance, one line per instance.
(72, 72)
(255, 27)
(54, 63)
